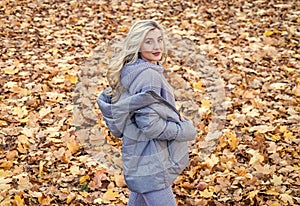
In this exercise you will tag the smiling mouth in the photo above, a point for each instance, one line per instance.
(156, 53)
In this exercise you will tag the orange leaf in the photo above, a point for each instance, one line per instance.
(73, 146)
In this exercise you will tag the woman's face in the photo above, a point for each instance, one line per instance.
(152, 46)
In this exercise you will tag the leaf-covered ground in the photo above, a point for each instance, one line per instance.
(55, 148)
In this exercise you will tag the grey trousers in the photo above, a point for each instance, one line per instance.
(163, 197)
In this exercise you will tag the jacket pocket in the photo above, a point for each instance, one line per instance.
(178, 151)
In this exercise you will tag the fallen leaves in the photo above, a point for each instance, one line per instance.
(55, 147)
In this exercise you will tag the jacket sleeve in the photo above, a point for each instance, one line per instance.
(156, 127)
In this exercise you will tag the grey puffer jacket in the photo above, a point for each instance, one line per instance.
(154, 139)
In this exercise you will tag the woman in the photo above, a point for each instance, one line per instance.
(139, 107)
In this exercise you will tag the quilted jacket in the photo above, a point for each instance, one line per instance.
(154, 139)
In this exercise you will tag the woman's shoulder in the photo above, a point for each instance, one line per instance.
(140, 70)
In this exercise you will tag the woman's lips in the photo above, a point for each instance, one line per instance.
(156, 53)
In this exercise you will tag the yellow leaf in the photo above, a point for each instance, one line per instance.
(232, 140)
(84, 194)
(271, 192)
(123, 29)
(296, 90)
(175, 68)
(208, 192)
(297, 56)
(71, 197)
(289, 135)
(19, 201)
(276, 180)
(288, 69)
(77, 28)
(198, 85)
(75, 170)
(11, 71)
(205, 103)
(110, 195)
(271, 32)
(72, 78)
(44, 200)
(3, 123)
(256, 156)
(211, 35)
(6, 165)
(73, 146)
(23, 139)
(252, 194)
(287, 198)
(98, 201)
(84, 178)
(41, 168)
(20, 111)
(273, 137)
(7, 11)
(268, 33)
(6, 202)
(283, 129)
(212, 161)
(274, 204)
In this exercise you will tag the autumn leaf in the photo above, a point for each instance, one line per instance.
(72, 78)
(286, 198)
(251, 195)
(109, 196)
(276, 180)
(119, 180)
(232, 140)
(198, 85)
(212, 161)
(84, 178)
(208, 192)
(256, 157)
(70, 198)
(4, 183)
(73, 146)
(19, 201)
(11, 71)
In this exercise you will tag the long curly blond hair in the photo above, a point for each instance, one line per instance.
(127, 52)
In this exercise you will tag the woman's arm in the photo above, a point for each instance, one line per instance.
(155, 127)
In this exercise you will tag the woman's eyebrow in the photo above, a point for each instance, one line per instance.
(149, 38)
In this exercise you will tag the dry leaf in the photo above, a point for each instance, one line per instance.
(109, 196)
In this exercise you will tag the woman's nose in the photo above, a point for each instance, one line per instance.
(156, 45)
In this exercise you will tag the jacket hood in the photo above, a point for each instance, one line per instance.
(131, 71)
(116, 114)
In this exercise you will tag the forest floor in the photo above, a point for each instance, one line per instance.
(234, 66)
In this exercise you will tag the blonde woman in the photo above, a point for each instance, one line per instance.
(139, 107)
